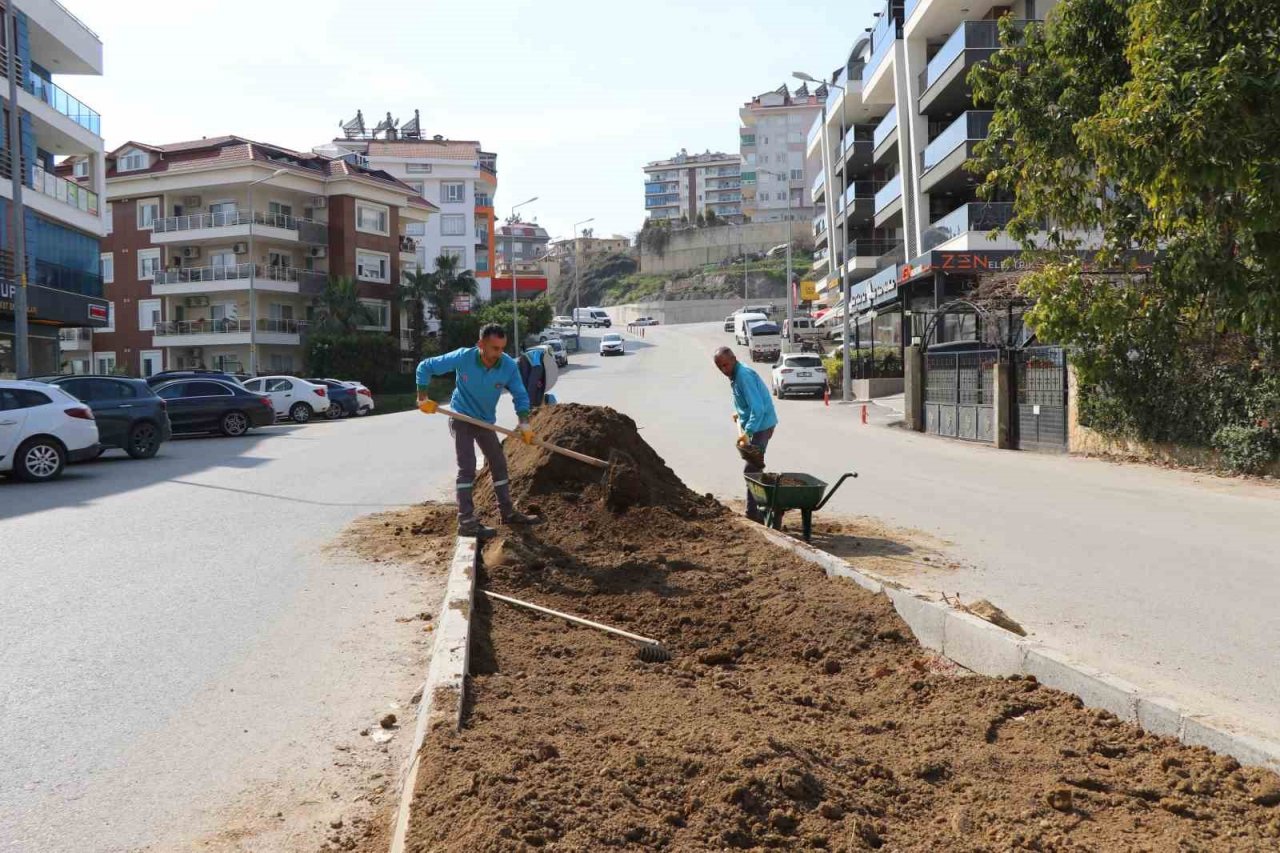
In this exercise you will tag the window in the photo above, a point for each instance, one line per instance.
(22, 398)
(418, 168)
(223, 211)
(207, 389)
(379, 314)
(797, 174)
(371, 218)
(222, 311)
(148, 314)
(110, 218)
(373, 266)
(459, 252)
(281, 363)
(278, 385)
(279, 208)
(148, 212)
(111, 318)
(453, 224)
(416, 186)
(80, 169)
(104, 363)
(453, 192)
(148, 264)
(107, 267)
(416, 229)
(131, 162)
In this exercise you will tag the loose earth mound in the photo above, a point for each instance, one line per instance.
(798, 712)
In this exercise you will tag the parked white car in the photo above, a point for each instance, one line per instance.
(291, 397)
(562, 320)
(363, 394)
(548, 334)
(42, 428)
(611, 344)
(799, 374)
(644, 321)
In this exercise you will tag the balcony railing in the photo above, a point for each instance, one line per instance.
(69, 279)
(56, 97)
(484, 200)
(311, 280)
(67, 192)
(819, 181)
(910, 7)
(887, 125)
(970, 126)
(408, 244)
(857, 133)
(747, 139)
(970, 35)
(861, 190)
(819, 224)
(75, 338)
(886, 32)
(887, 194)
(200, 221)
(228, 327)
(871, 247)
(975, 216)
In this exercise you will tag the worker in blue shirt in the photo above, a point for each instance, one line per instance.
(754, 412)
(481, 374)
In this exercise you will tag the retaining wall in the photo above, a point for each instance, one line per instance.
(698, 246)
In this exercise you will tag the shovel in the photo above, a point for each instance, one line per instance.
(749, 452)
(564, 451)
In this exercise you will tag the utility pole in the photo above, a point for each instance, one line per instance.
(21, 331)
(790, 295)
(577, 277)
(511, 265)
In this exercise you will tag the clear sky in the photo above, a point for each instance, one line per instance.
(574, 97)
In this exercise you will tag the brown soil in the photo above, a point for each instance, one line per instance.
(798, 712)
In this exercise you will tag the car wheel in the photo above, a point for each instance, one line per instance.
(144, 441)
(300, 413)
(364, 410)
(39, 460)
(332, 413)
(234, 424)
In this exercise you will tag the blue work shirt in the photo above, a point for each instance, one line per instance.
(751, 400)
(477, 388)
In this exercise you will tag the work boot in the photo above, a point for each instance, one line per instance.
(517, 517)
(475, 530)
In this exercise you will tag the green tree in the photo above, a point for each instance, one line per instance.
(416, 292)
(339, 308)
(447, 284)
(711, 218)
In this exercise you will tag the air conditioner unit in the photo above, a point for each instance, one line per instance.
(189, 252)
(319, 202)
(190, 201)
(319, 251)
(240, 248)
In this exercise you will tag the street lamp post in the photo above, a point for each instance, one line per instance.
(846, 385)
(21, 329)
(577, 275)
(511, 265)
(253, 275)
(790, 296)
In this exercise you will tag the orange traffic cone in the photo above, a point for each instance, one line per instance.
(826, 396)
(864, 413)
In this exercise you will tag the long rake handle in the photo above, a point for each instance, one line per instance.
(572, 454)
(577, 620)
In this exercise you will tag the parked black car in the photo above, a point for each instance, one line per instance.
(155, 380)
(343, 400)
(215, 405)
(129, 413)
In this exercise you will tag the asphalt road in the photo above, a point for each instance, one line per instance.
(1168, 579)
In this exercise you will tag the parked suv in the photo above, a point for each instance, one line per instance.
(129, 413)
(42, 428)
(802, 374)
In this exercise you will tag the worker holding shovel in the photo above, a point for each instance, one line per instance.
(481, 374)
(755, 415)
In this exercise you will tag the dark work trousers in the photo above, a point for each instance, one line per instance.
(465, 439)
(760, 440)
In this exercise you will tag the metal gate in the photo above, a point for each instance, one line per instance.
(959, 394)
(1040, 380)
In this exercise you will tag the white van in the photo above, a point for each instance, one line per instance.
(591, 317)
(801, 329)
(742, 322)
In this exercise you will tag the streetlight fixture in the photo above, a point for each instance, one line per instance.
(846, 384)
(253, 275)
(790, 296)
(577, 275)
(511, 265)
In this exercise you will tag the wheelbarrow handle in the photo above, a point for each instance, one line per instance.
(823, 502)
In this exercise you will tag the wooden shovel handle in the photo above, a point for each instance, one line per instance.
(572, 454)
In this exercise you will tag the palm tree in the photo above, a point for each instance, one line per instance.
(340, 308)
(450, 283)
(418, 290)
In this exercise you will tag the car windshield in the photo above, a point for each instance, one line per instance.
(804, 361)
(612, 339)
(763, 328)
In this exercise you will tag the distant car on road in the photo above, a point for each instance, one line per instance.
(548, 334)
(796, 374)
(558, 350)
(42, 428)
(293, 398)
(343, 399)
(644, 321)
(562, 320)
(215, 405)
(730, 322)
(129, 413)
(155, 380)
(611, 344)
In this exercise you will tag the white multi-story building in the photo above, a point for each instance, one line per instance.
(457, 176)
(898, 217)
(777, 173)
(689, 184)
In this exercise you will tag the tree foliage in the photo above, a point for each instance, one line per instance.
(338, 307)
(371, 357)
(654, 236)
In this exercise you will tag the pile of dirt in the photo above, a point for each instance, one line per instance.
(798, 711)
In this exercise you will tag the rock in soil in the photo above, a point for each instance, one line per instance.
(748, 739)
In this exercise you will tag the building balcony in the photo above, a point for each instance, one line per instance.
(58, 277)
(885, 137)
(818, 188)
(55, 96)
(943, 84)
(888, 201)
(484, 200)
(408, 248)
(866, 255)
(942, 161)
(883, 36)
(75, 339)
(859, 200)
(219, 227)
(217, 279)
(210, 333)
(662, 201)
(60, 189)
(980, 217)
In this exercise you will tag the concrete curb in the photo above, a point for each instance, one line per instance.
(445, 686)
(979, 646)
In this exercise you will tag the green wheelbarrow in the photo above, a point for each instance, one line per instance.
(777, 493)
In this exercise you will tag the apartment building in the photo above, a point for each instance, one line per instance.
(522, 259)
(218, 250)
(63, 220)
(777, 171)
(898, 216)
(588, 246)
(458, 176)
(689, 184)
